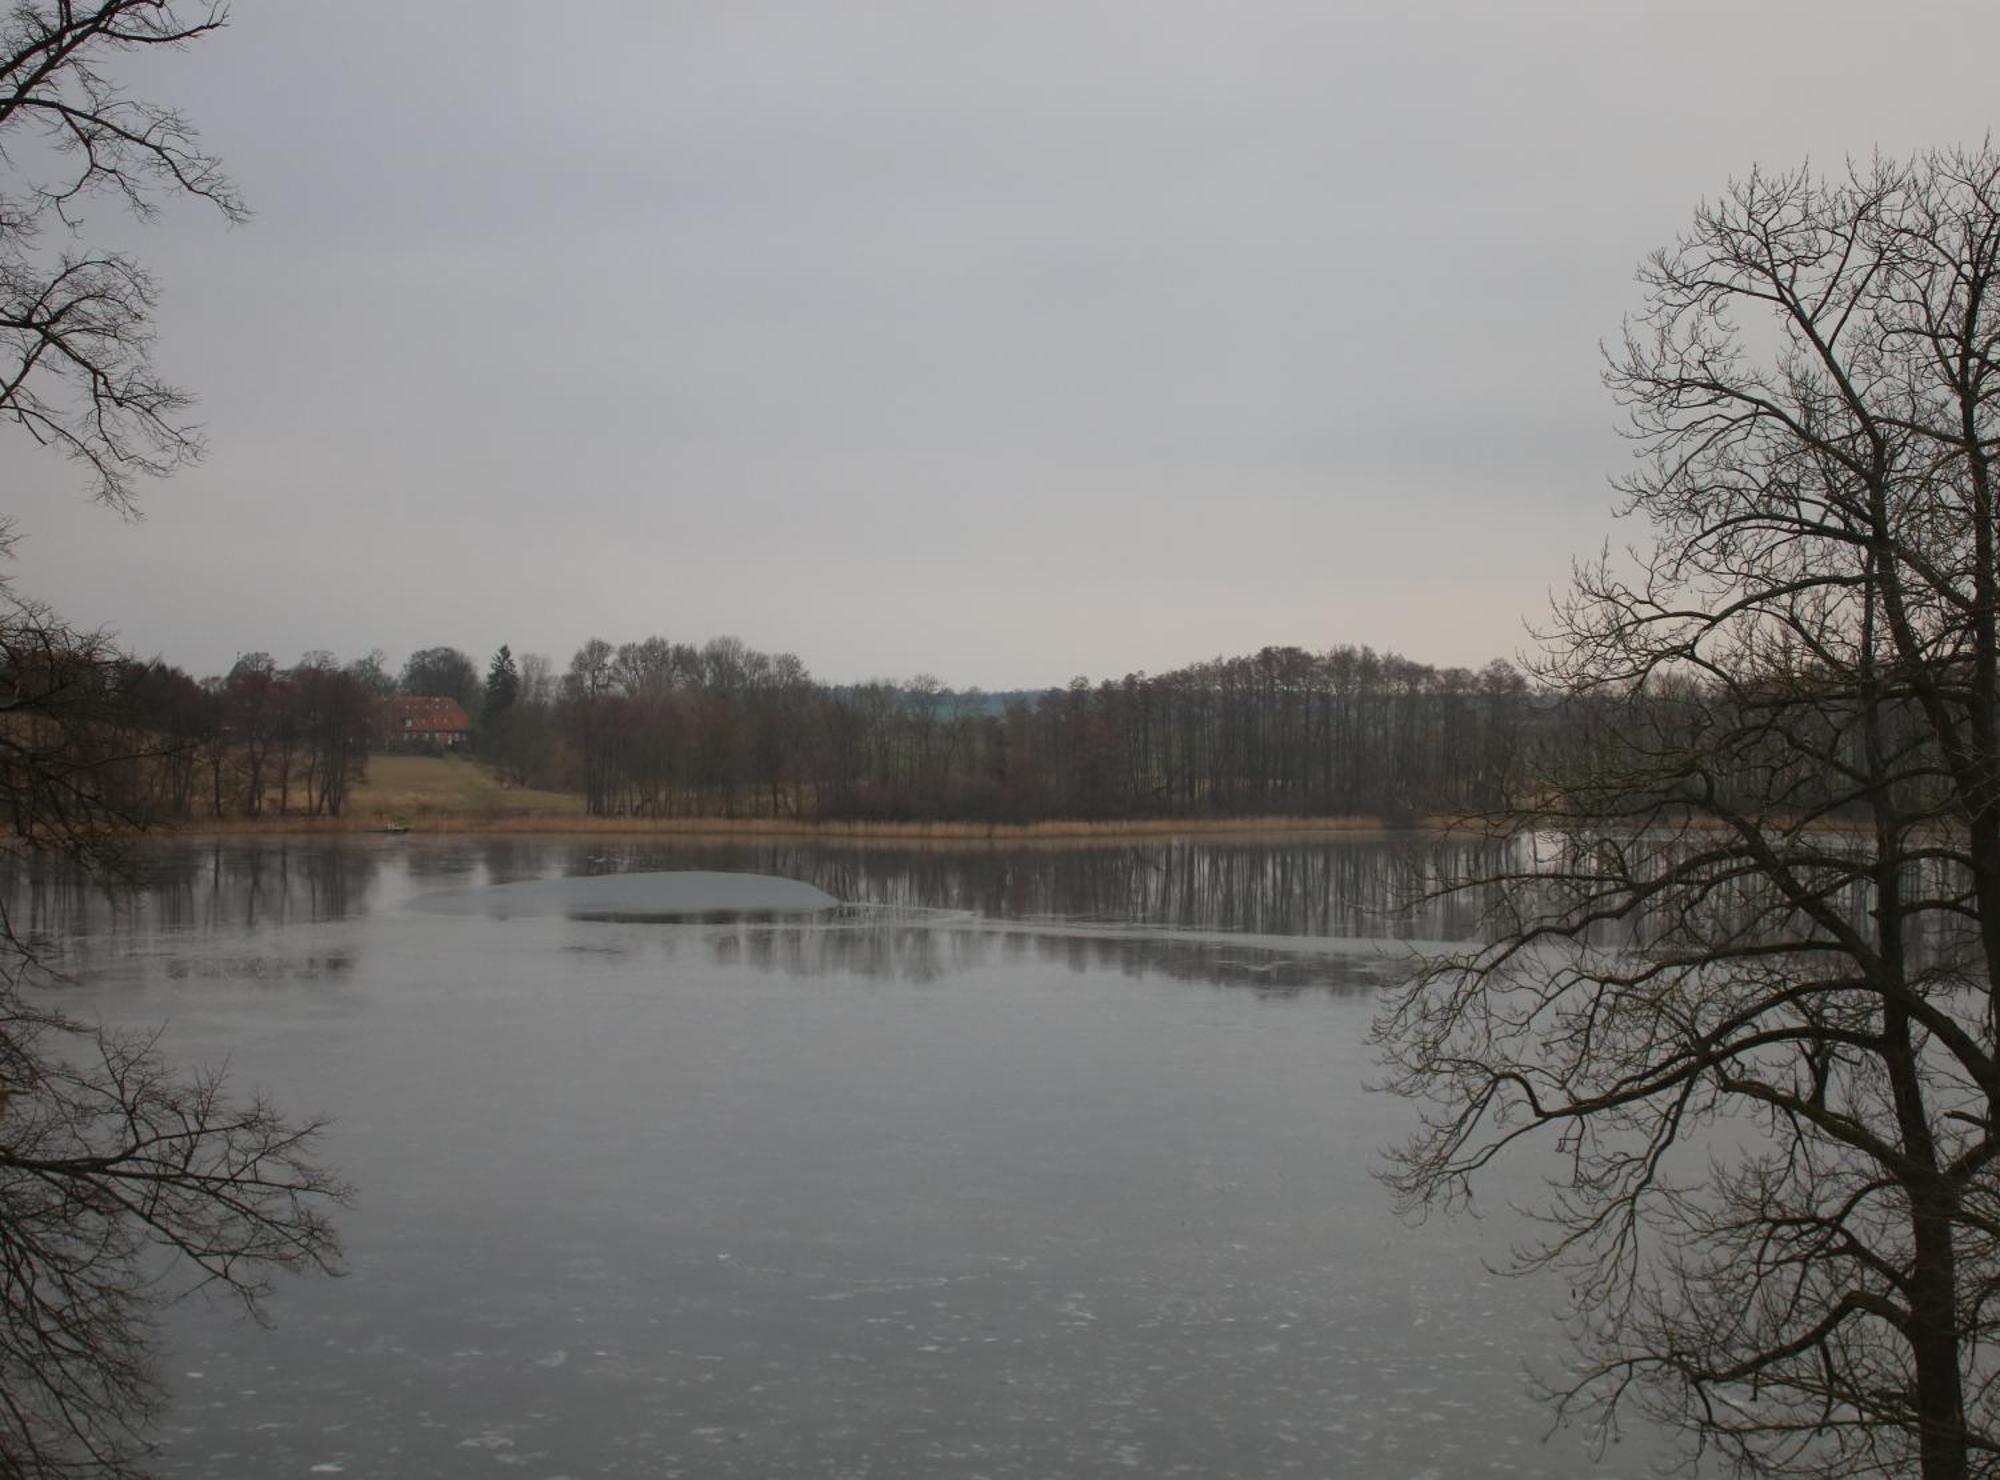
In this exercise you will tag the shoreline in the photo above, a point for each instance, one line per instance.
(722, 829)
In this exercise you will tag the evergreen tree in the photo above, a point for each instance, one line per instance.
(503, 684)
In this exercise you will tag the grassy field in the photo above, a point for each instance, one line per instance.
(419, 788)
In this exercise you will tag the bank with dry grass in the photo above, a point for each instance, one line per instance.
(453, 795)
(562, 825)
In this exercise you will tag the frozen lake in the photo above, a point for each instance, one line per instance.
(1030, 1162)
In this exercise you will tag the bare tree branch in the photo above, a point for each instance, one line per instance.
(1743, 971)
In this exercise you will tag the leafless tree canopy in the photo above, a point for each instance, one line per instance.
(123, 1183)
(658, 728)
(1745, 965)
(115, 1166)
(76, 367)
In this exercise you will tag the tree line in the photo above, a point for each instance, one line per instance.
(660, 729)
(665, 729)
(655, 728)
(150, 742)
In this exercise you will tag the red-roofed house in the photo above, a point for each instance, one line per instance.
(420, 722)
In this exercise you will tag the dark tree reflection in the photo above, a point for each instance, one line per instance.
(1377, 887)
(1261, 915)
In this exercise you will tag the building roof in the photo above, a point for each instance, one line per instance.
(424, 713)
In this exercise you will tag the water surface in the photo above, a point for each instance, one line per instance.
(1035, 1162)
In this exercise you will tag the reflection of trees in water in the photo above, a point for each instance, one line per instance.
(439, 865)
(50, 901)
(1357, 888)
(1832, 868)
(921, 948)
(1363, 889)
(1273, 972)
(851, 944)
(511, 860)
(1373, 888)
(243, 886)
(268, 968)
(223, 885)
(1047, 906)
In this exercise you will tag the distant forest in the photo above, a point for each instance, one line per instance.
(664, 729)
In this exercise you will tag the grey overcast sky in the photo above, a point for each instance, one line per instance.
(1007, 341)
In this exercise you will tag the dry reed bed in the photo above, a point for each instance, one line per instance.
(463, 824)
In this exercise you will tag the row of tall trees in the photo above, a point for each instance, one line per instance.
(664, 729)
(657, 728)
(259, 739)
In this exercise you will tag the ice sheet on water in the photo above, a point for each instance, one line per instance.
(673, 894)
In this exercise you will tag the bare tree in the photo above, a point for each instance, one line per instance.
(107, 1156)
(332, 706)
(1745, 965)
(590, 705)
(76, 367)
(121, 1180)
(111, 1157)
(258, 702)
